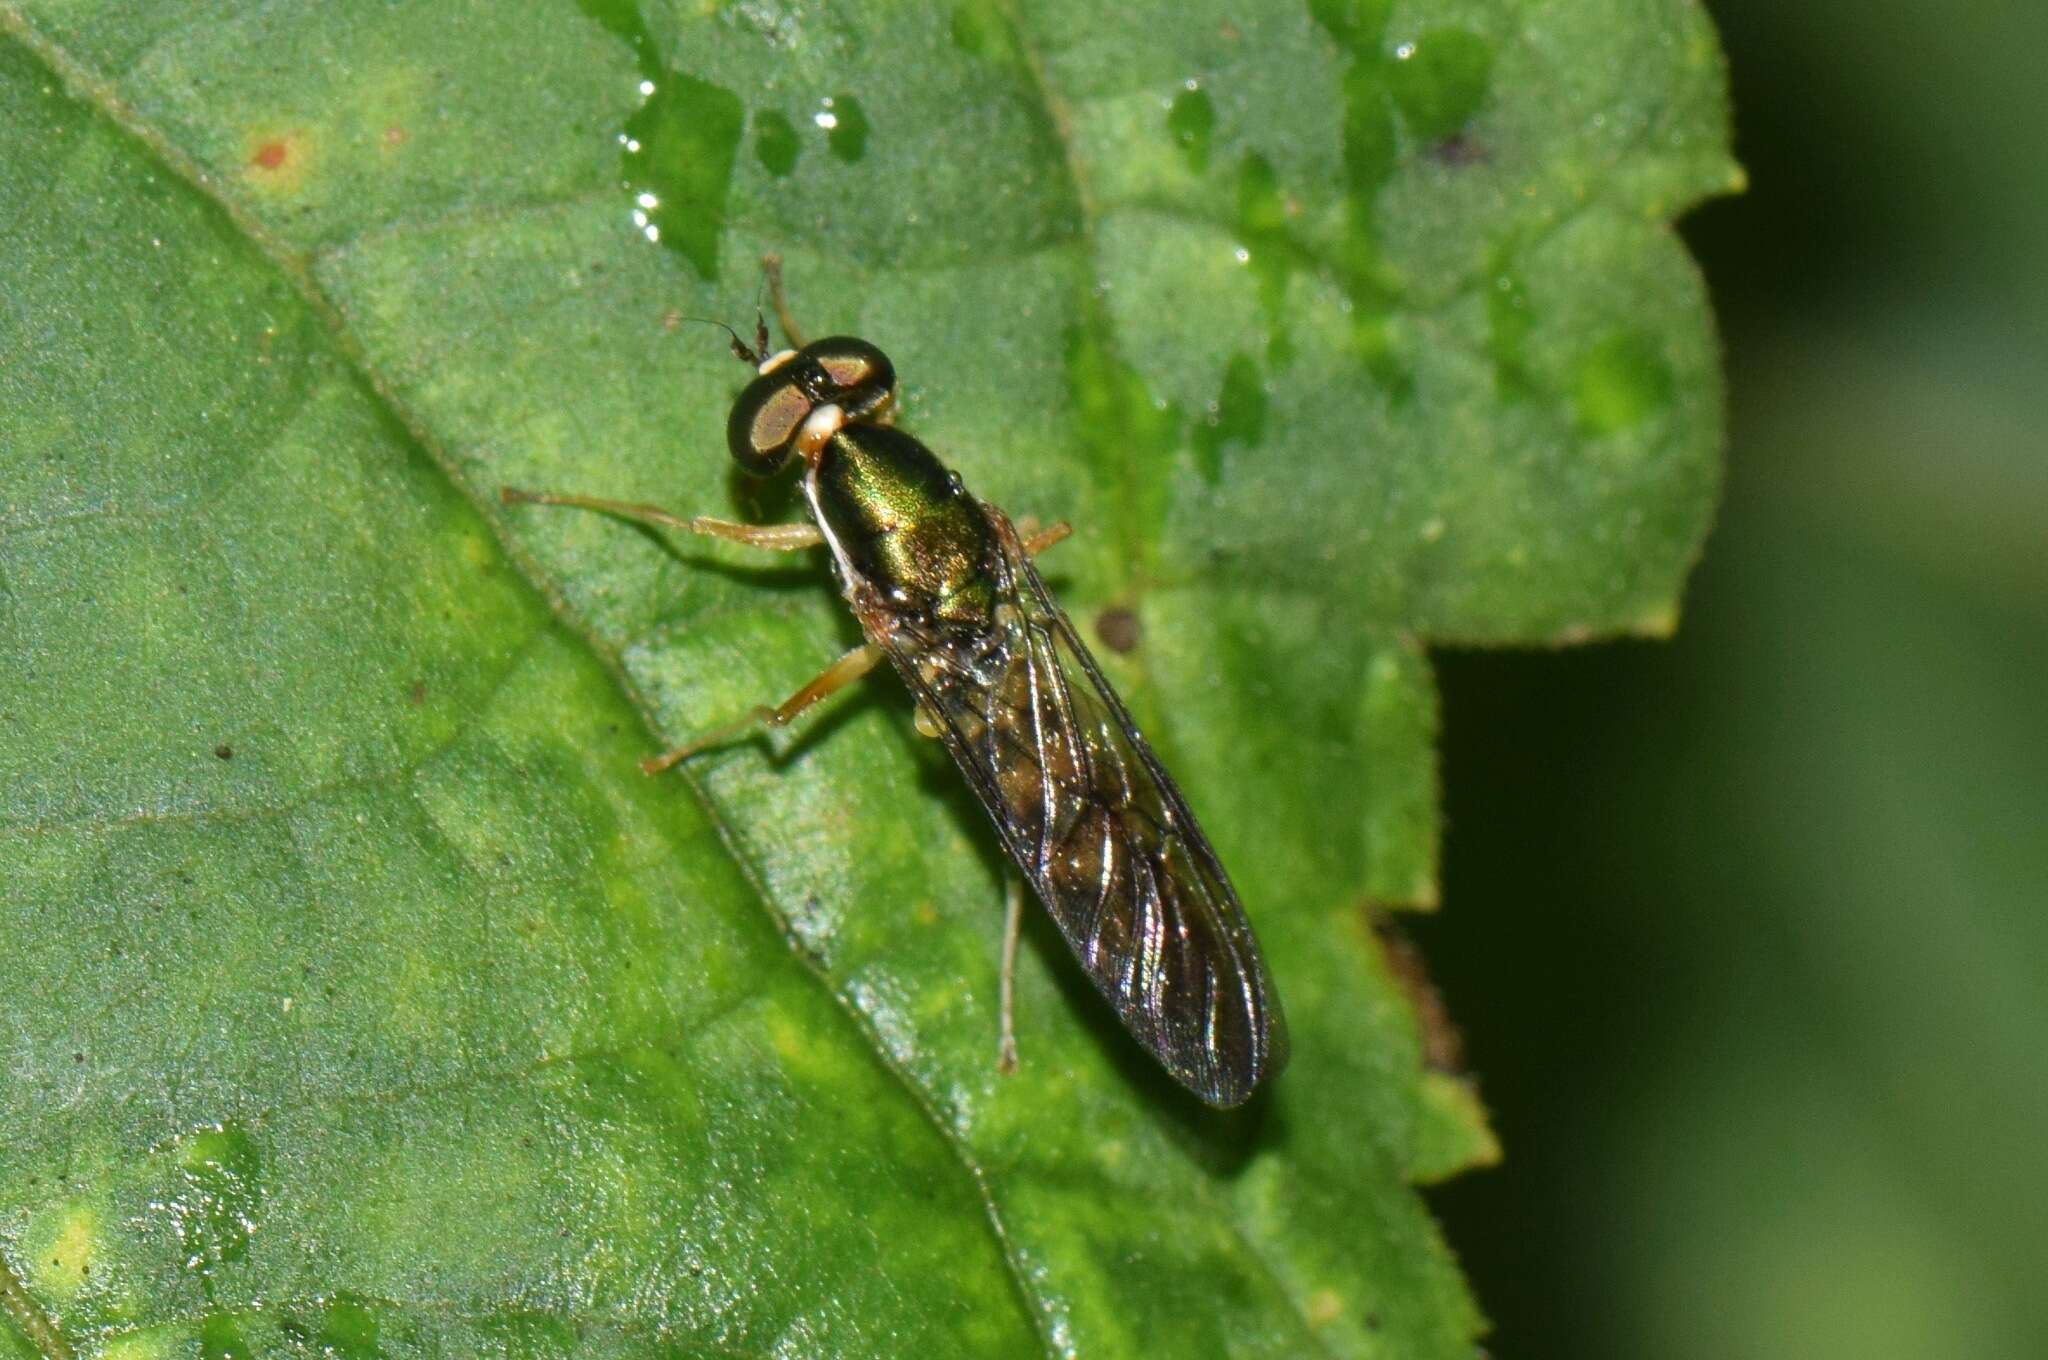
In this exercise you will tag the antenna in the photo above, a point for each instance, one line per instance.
(739, 346)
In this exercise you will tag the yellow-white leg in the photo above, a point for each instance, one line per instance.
(1013, 922)
(1037, 540)
(771, 265)
(777, 537)
(839, 674)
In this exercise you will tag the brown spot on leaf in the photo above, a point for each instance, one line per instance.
(224, 751)
(277, 161)
(1458, 150)
(1443, 1047)
(419, 692)
(394, 136)
(1119, 629)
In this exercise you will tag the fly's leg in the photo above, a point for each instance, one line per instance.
(1013, 921)
(771, 267)
(1037, 540)
(836, 676)
(777, 537)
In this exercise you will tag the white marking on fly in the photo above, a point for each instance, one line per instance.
(820, 425)
(777, 360)
(849, 577)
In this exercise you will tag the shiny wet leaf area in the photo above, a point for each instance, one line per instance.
(364, 1000)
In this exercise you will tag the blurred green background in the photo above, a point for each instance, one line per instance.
(1748, 933)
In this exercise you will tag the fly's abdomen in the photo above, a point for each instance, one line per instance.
(904, 523)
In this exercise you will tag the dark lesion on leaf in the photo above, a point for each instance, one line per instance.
(1461, 149)
(1119, 629)
(1443, 1046)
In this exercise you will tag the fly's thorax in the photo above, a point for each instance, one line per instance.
(898, 519)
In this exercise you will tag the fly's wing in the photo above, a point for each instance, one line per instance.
(1101, 832)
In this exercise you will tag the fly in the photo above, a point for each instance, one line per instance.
(944, 589)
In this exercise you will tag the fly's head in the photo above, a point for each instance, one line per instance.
(802, 397)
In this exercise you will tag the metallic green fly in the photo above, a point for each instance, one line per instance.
(944, 588)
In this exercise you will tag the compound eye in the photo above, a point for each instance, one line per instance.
(861, 377)
(765, 420)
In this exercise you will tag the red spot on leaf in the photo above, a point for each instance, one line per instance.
(269, 155)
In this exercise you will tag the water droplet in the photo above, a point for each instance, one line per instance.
(1356, 24)
(1262, 228)
(1191, 119)
(1620, 383)
(221, 1339)
(1509, 319)
(1121, 423)
(216, 1197)
(1441, 79)
(619, 17)
(775, 142)
(847, 134)
(982, 30)
(1237, 419)
(1374, 340)
(1370, 155)
(349, 1331)
(677, 164)
(1369, 150)
(677, 150)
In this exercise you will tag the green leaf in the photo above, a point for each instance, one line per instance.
(365, 1000)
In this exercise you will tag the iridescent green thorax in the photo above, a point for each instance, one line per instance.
(905, 523)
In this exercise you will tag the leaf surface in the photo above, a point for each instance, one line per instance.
(368, 1001)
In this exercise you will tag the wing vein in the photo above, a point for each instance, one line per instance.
(1089, 817)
